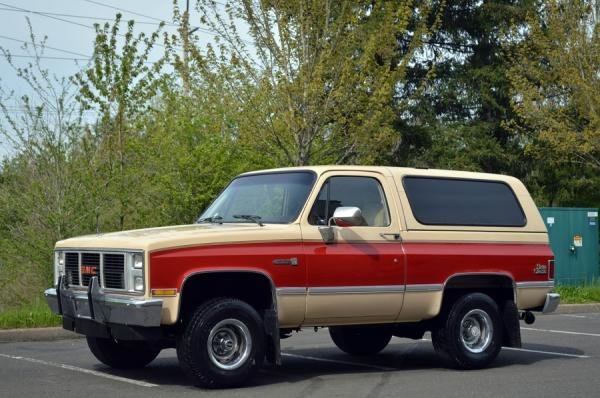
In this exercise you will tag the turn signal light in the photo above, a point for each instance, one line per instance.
(164, 292)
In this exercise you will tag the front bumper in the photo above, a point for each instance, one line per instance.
(551, 303)
(101, 308)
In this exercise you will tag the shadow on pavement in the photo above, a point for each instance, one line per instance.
(398, 357)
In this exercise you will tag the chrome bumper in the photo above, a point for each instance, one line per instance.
(552, 301)
(95, 305)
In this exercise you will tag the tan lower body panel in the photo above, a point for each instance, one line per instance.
(291, 309)
(170, 309)
(420, 305)
(352, 308)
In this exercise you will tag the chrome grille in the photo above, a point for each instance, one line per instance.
(90, 266)
(80, 267)
(72, 268)
(114, 264)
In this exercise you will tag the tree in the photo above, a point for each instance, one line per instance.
(314, 81)
(120, 85)
(556, 84)
(39, 198)
(457, 119)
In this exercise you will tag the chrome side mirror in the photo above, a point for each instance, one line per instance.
(347, 217)
(342, 217)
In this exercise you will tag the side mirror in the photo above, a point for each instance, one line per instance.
(347, 217)
(342, 217)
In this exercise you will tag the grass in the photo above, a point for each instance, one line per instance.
(586, 293)
(34, 315)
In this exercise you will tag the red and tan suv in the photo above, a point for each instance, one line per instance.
(370, 252)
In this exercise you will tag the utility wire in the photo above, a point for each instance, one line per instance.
(43, 46)
(204, 30)
(48, 57)
(124, 10)
(82, 16)
(61, 58)
(61, 19)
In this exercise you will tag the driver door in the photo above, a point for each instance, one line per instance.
(360, 277)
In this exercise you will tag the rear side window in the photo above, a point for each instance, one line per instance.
(450, 201)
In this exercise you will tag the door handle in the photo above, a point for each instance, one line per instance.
(286, 261)
(394, 236)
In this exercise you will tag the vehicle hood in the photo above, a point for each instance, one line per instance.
(151, 239)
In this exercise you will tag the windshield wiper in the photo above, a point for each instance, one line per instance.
(212, 219)
(249, 217)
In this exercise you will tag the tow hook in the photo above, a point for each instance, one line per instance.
(527, 316)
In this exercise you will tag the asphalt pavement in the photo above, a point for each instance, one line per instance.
(559, 358)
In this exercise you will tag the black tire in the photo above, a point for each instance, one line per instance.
(360, 340)
(469, 334)
(239, 325)
(122, 354)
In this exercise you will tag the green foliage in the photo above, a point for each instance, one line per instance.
(501, 86)
(120, 85)
(457, 119)
(589, 293)
(556, 83)
(34, 315)
(316, 82)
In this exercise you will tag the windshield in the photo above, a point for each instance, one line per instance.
(270, 198)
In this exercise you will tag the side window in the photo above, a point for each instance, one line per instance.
(450, 201)
(365, 193)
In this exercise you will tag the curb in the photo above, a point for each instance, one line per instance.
(37, 334)
(58, 333)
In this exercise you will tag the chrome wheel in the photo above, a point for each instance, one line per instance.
(476, 331)
(229, 344)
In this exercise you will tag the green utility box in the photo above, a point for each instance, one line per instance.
(574, 239)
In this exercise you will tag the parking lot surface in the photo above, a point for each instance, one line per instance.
(559, 358)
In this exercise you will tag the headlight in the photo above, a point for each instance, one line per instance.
(136, 273)
(138, 284)
(138, 261)
(59, 265)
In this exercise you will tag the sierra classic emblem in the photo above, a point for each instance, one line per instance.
(540, 269)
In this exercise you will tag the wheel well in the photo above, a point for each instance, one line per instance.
(252, 287)
(499, 287)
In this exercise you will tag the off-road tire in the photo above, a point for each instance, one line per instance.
(360, 340)
(449, 344)
(192, 345)
(122, 354)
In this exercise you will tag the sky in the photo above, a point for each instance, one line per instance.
(72, 31)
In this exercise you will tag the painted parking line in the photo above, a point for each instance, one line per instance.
(351, 363)
(560, 354)
(562, 332)
(81, 370)
(575, 316)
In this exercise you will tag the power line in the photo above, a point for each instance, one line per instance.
(122, 9)
(82, 16)
(61, 58)
(49, 57)
(204, 30)
(43, 46)
(62, 19)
